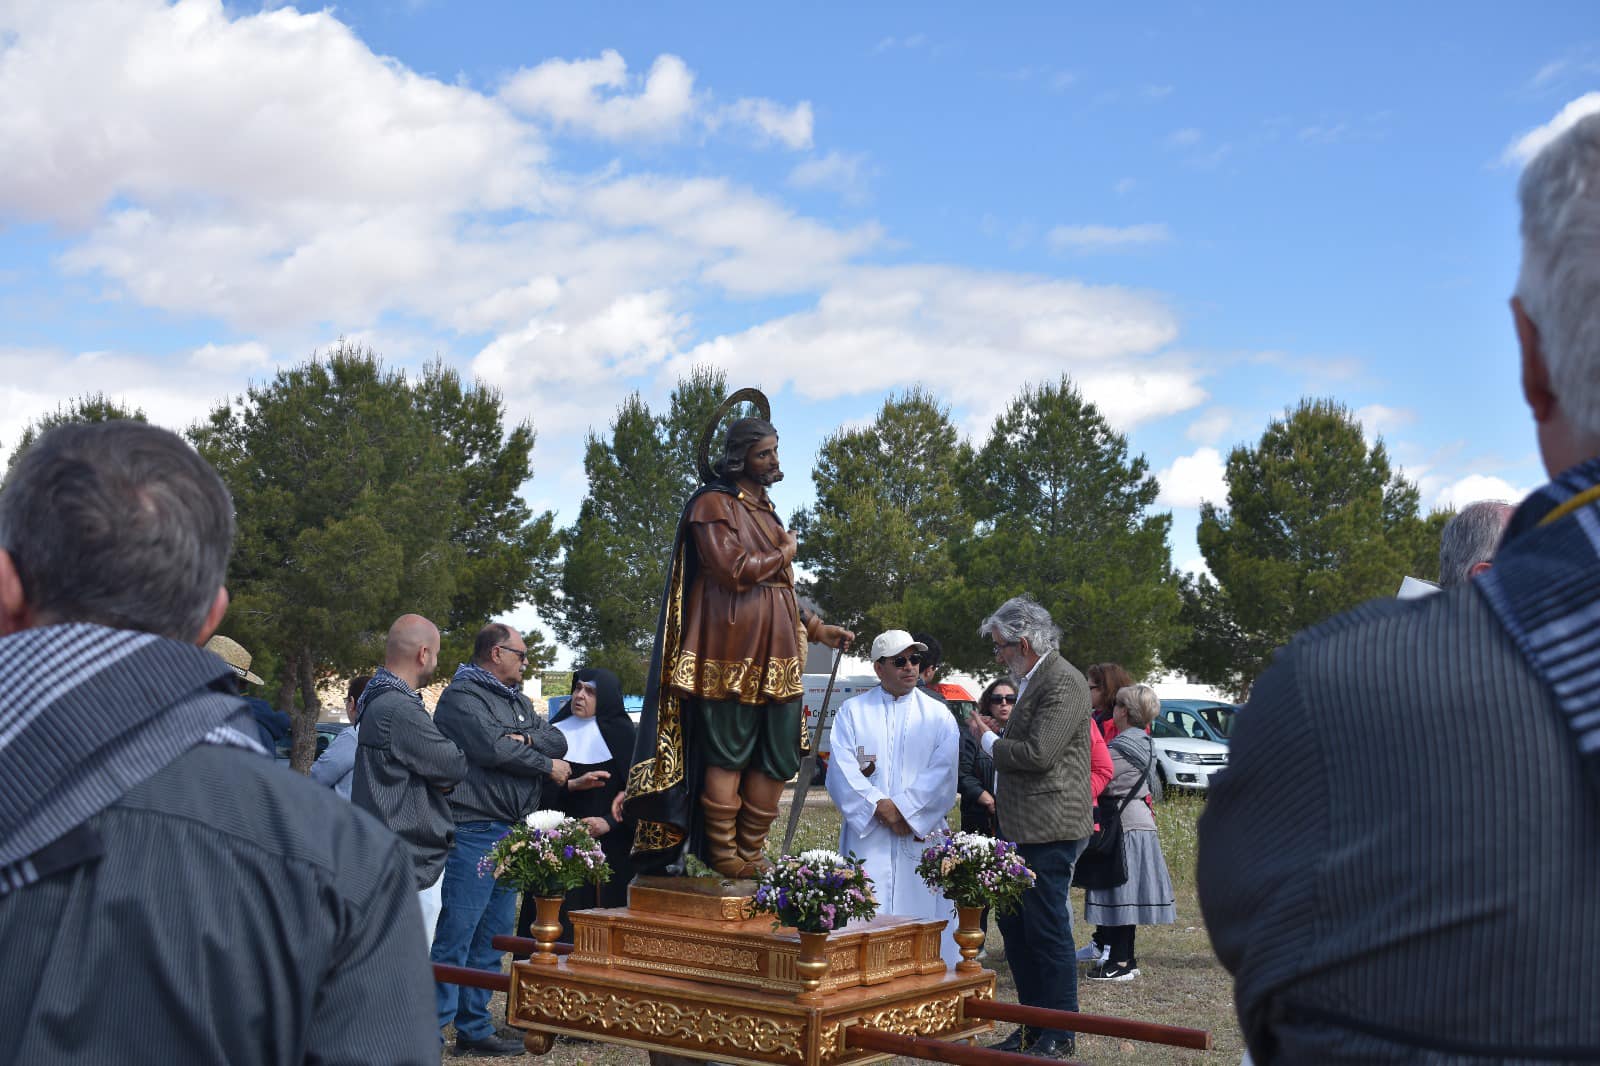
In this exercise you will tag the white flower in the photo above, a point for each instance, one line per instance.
(545, 819)
(822, 857)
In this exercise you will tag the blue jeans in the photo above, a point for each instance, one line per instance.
(1038, 934)
(474, 911)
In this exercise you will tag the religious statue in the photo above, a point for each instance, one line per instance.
(721, 729)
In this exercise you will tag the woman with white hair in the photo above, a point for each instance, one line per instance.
(1146, 897)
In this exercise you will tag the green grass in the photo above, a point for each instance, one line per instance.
(1181, 982)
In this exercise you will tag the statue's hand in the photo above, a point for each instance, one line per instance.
(837, 637)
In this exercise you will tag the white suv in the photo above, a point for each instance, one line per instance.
(1184, 761)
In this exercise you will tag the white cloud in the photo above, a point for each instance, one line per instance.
(590, 96)
(789, 126)
(845, 173)
(248, 355)
(598, 98)
(1184, 138)
(159, 104)
(966, 332)
(1211, 426)
(1093, 237)
(1378, 420)
(35, 382)
(1474, 487)
(1194, 479)
(1524, 148)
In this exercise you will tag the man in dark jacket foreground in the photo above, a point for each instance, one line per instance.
(1399, 864)
(166, 894)
(509, 751)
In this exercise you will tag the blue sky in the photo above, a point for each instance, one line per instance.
(1199, 212)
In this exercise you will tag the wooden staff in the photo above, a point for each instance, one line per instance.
(808, 765)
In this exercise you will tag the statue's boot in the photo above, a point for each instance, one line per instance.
(720, 828)
(754, 823)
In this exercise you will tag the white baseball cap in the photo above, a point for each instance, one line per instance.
(893, 642)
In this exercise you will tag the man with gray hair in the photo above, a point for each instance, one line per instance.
(1461, 922)
(1043, 801)
(166, 894)
(1468, 542)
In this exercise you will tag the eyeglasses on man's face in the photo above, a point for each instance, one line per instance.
(521, 655)
(900, 661)
(1008, 698)
(1001, 646)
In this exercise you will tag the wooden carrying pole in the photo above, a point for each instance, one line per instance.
(462, 975)
(521, 945)
(923, 1047)
(1098, 1024)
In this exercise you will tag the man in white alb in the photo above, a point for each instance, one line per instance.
(893, 776)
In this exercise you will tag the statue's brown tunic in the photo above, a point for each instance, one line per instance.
(743, 638)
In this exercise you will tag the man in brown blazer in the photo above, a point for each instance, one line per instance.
(1043, 802)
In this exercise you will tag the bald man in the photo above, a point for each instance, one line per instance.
(405, 767)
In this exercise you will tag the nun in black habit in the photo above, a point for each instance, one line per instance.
(599, 741)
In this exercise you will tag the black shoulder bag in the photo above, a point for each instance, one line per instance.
(1104, 863)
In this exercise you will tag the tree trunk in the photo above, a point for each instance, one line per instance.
(286, 683)
(306, 714)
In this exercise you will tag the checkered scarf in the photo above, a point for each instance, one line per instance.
(1545, 589)
(474, 672)
(86, 714)
(381, 680)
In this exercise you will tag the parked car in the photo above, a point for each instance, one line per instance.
(1201, 719)
(326, 731)
(959, 700)
(1184, 761)
(816, 685)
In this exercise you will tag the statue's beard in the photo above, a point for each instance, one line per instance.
(768, 480)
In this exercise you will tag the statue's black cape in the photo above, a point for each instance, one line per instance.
(664, 777)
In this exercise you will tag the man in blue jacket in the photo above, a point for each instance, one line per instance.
(510, 751)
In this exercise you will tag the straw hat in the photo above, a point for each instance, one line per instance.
(233, 653)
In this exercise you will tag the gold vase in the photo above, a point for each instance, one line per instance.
(811, 966)
(969, 937)
(546, 928)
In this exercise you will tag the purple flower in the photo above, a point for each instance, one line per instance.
(570, 851)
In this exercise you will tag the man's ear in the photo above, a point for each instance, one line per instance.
(219, 607)
(1478, 568)
(1535, 374)
(14, 613)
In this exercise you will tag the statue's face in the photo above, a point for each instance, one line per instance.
(761, 462)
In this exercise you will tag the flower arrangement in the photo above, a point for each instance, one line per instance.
(973, 870)
(815, 891)
(546, 854)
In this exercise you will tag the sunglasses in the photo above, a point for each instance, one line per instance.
(997, 698)
(518, 652)
(900, 660)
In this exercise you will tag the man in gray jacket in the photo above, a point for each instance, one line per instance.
(404, 765)
(1400, 863)
(167, 894)
(510, 750)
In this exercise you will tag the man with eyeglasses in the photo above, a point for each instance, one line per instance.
(1043, 800)
(893, 778)
(510, 751)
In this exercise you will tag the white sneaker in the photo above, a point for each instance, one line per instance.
(1092, 952)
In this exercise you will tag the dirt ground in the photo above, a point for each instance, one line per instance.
(1181, 982)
